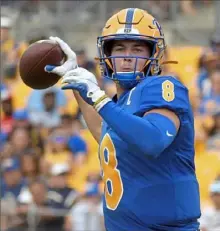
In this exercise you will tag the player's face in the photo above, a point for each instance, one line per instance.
(128, 48)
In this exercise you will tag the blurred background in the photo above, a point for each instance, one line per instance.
(50, 175)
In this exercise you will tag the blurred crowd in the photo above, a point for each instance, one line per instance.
(49, 163)
(161, 9)
(50, 180)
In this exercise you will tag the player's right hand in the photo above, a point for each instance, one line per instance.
(85, 83)
(69, 64)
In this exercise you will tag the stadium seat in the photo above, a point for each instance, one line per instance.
(91, 142)
(92, 164)
(207, 169)
(79, 179)
(22, 92)
(187, 58)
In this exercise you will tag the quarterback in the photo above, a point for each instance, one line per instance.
(145, 132)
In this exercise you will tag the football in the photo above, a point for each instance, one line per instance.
(35, 58)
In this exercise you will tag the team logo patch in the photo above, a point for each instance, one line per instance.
(127, 30)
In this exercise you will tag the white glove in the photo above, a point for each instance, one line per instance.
(86, 84)
(70, 63)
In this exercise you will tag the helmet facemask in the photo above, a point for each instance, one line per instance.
(129, 80)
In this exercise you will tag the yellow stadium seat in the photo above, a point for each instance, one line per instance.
(91, 142)
(187, 57)
(207, 169)
(202, 125)
(78, 180)
(72, 106)
(20, 93)
(93, 163)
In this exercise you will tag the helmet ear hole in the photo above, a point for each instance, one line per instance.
(107, 47)
(150, 46)
(109, 66)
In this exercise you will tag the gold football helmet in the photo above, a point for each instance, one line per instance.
(131, 24)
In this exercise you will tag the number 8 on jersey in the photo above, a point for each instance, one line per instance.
(168, 91)
(111, 175)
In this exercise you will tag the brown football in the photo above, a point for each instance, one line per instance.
(33, 61)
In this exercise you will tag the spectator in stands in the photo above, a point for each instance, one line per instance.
(208, 62)
(206, 115)
(20, 140)
(13, 188)
(94, 178)
(210, 219)
(38, 208)
(215, 83)
(10, 50)
(214, 132)
(83, 60)
(70, 124)
(77, 145)
(87, 213)
(56, 151)
(44, 107)
(70, 127)
(7, 45)
(60, 197)
(7, 109)
(212, 100)
(201, 123)
(160, 9)
(21, 120)
(20, 117)
(187, 7)
(6, 150)
(13, 181)
(215, 41)
(30, 165)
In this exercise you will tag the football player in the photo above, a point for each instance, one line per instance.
(146, 132)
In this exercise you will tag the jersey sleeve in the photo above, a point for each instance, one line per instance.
(164, 92)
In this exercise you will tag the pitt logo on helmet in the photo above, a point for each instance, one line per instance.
(131, 24)
(127, 30)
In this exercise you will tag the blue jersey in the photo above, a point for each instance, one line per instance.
(143, 193)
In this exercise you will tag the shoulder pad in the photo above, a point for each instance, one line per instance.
(164, 92)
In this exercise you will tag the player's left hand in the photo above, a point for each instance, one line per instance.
(86, 84)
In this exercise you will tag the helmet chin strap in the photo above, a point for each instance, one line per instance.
(128, 80)
(131, 75)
